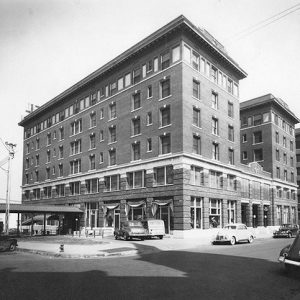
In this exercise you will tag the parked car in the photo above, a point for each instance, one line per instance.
(8, 243)
(130, 229)
(290, 255)
(154, 228)
(286, 230)
(234, 233)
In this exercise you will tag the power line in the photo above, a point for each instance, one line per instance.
(264, 23)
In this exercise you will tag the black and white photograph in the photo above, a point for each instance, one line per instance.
(150, 149)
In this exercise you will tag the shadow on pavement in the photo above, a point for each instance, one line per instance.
(153, 275)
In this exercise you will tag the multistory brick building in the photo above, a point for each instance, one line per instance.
(155, 133)
(268, 137)
(297, 137)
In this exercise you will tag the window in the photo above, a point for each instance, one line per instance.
(214, 74)
(284, 141)
(285, 177)
(278, 172)
(149, 145)
(187, 54)
(92, 185)
(149, 118)
(136, 151)
(230, 133)
(257, 120)
(92, 120)
(136, 76)
(196, 144)
(149, 91)
(266, 117)
(60, 152)
(136, 179)
(48, 140)
(112, 111)
(120, 83)
(136, 126)
(291, 146)
(165, 60)
(165, 88)
(37, 160)
(93, 98)
(230, 109)
(277, 137)
(60, 190)
(215, 126)
(257, 137)
(101, 158)
(37, 144)
(231, 156)
(244, 138)
(144, 71)
(215, 179)
(76, 127)
(277, 155)
(48, 173)
(165, 116)
(112, 134)
(92, 162)
(175, 54)
(214, 100)
(75, 188)
(165, 144)
(163, 175)
(214, 213)
(292, 177)
(285, 158)
(75, 147)
(136, 101)
(196, 117)
(48, 156)
(229, 86)
(196, 215)
(149, 66)
(155, 64)
(235, 89)
(60, 170)
(215, 151)
(101, 113)
(197, 176)
(196, 89)
(36, 176)
(112, 157)
(195, 60)
(244, 155)
(47, 191)
(258, 155)
(75, 166)
(92, 141)
(112, 183)
(101, 136)
(61, 133)
(127, 80)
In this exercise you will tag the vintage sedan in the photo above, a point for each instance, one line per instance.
(8, 243)
(290, 255)
(234, 233)
(286, 230)
(131, 229)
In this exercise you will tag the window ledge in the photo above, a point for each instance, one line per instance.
(161, 99)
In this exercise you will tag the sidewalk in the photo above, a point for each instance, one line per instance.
(97, 247)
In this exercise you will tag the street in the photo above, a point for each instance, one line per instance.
(244, 271)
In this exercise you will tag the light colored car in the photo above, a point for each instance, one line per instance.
(234, 233)
(129, 230)
(155, 228)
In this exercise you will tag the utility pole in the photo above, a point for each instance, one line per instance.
(11, 152)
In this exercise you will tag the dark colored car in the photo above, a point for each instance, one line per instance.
(290, 255)
(131, 229)
(286, 230)
(8, 243)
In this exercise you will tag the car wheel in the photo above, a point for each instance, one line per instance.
(12, 247)
(250, 240)
(232, 240)
(125, 236)
(161, 237)
(116, 237)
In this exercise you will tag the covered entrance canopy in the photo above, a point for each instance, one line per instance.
(40, 209)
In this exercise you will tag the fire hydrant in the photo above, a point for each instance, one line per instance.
(61, 248)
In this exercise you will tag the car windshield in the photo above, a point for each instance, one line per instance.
(284, 226)
(230, 227)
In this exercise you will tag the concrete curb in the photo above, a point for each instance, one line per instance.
(78, 256)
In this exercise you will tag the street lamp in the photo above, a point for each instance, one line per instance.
(76, 224)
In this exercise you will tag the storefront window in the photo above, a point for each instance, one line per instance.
(214, 213)
(91, 212)
(231, 211)
(196, 212)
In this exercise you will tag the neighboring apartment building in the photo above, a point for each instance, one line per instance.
(297, 137)
(154, 133)
(268, 137)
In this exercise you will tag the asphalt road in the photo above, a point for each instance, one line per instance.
(245, 271)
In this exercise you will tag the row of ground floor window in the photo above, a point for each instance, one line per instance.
(197, 213)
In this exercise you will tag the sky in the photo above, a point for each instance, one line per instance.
(48, 46)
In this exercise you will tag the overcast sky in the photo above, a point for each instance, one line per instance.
(47, 46)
